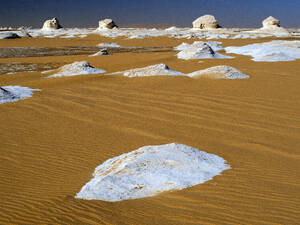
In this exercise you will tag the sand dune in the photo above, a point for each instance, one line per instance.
(51, 143)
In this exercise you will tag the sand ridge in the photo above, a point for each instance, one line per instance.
(51, 143)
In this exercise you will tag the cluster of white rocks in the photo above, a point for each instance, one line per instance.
(216, 72)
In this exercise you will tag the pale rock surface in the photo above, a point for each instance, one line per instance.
(154, 70)
(206, 22)
(101, 52)
(8, 35)
(77, 68)
(107, 24)
(271, 22)
(15, 93)
(219, 72)
(199, 50)
(269, 51)
(52, 24)
(151, 170)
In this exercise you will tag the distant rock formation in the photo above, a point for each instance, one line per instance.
(52, 24)
(271, 26)
(107, 24)
(206, 21)
(271, 22)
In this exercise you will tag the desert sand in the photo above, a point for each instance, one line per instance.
(52, 142)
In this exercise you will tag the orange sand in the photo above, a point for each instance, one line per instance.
(52, 142)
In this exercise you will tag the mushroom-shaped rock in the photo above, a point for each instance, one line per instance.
(107, 24)
(271, 22)
(52, 24)
(206, 21)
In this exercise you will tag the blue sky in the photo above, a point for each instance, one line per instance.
(87, 13)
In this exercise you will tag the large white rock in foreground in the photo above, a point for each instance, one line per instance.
(76, 68)
(219, 72)
(107, 24)
(52, 24)
(154, 70)
(206, 22)
(15, 93)
(269, 51)
(151, 170)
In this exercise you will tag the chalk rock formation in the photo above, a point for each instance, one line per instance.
(77, 68)
(101, 52)
(151, 170)
(206, 21)
(271, 22)
(220, 72)
(199, 50)
(52, 24)
(15, 93)
(8, 35)
(154, 70)
(272, 51)
(107, 24)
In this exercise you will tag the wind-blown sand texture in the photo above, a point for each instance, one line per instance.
(52, 142)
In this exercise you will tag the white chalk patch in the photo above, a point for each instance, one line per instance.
(154, 70)
(151, 170)
(77, 68)
(15, 93)
(272, 51)
(220, 72)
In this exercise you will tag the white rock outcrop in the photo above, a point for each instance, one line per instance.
(154, 70)
(8, 35)
(271, 22)
(15, 93)
(269, 51)
(76, 68)
(199, 50)
(52, 24)
(219, 72)
(206, 22)
(107, 24)
(151, 170)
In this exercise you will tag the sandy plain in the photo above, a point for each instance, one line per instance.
(52, 142)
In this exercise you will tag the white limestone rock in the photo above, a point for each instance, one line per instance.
(14, 93)
(272, 51)
(107, 24)
(206, 22)
(219, 72)
(271, 22)
(9, 35)
(52, 24)
(76, 68)
(154, 70)
(101, 52)
(151, 170)
(199, 50)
